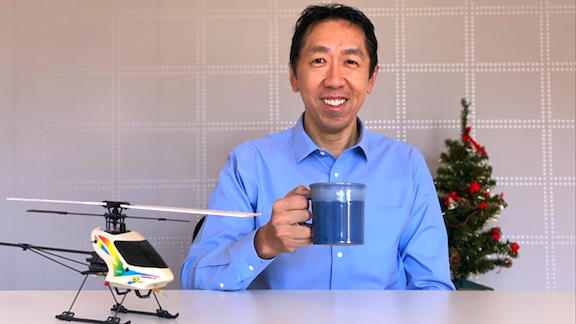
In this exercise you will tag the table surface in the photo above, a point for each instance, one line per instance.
(303, 306)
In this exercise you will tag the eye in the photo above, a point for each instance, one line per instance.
(318, 61)
(351, 62)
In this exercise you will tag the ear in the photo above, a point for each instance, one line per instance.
(293, 81)
(372, 79)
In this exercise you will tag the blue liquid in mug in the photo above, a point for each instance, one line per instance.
(338, 223)
(337, 213)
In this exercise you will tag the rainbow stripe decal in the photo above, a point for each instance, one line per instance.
(119, 269)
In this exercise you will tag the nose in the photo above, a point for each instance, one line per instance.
(334, 77)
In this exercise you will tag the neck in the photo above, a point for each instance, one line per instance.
(334, 143)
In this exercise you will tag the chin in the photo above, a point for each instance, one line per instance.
(335, 126)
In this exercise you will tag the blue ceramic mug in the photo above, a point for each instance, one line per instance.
(337, 213)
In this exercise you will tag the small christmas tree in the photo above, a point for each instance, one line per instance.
(464, 188)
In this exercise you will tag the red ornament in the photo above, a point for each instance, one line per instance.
(486, 193)
(502, 198)
(514, 247)
(473, 187)
(496, 237)
(453, 196)
(496, 230)
(467, 138)
(482, 205)
(106, 283)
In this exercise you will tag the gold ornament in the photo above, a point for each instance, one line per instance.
(454, 258)
(452, 204)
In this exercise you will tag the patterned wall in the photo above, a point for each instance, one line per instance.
(141, 100)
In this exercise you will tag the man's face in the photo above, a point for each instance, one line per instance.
(332, 76)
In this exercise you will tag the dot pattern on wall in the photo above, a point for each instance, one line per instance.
(146, 99)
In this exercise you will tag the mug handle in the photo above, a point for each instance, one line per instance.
(310, 225)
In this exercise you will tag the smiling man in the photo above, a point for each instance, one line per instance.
(333, 65)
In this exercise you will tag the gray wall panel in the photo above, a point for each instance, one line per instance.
(141, 100)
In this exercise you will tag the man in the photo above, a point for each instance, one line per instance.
(333, 64)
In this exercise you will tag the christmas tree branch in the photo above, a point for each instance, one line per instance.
(464, 116)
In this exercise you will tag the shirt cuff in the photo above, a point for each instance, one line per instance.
(245, 258)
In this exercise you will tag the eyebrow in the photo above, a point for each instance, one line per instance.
(324, 49)
(319, 49)
(353, 51)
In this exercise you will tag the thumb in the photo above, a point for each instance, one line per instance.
(300, 191)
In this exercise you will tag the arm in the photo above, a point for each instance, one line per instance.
(223, 256)
(424, 243)
(230, 252)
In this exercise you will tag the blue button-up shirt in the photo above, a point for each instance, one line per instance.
(405, 242)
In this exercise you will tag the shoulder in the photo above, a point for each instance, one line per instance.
(262, 146)
(403, 159)
(381, 145)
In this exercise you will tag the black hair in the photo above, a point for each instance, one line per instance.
(333, 11)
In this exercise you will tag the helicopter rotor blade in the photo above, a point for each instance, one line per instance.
(101, 215)
(152, 208)
(191, 210)
(59, 201)
(159, 219)
(61, 212)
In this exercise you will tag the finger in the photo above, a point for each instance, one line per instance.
(302, 232)
(295, 202)
(290, 210)
(300, 191)
(298, 216)
(302, 242)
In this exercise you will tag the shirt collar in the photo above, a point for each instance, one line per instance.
(304, 146)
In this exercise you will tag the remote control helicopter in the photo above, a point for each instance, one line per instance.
(125, 258)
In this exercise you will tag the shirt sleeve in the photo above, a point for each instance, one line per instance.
(424, 243)
(223, 256)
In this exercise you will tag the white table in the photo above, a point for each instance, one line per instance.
(301, 307)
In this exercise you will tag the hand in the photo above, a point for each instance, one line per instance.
(282, 234)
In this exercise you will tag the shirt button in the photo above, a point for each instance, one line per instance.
(251, 268)
(221, 285)
(336, 174)
(322, 153)
(339, 254)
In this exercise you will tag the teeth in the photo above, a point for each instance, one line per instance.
(334, 102)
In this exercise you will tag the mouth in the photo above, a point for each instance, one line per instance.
(334, 104)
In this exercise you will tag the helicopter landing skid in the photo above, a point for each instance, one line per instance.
(118, 308)
(69, 315)
(159, 312)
